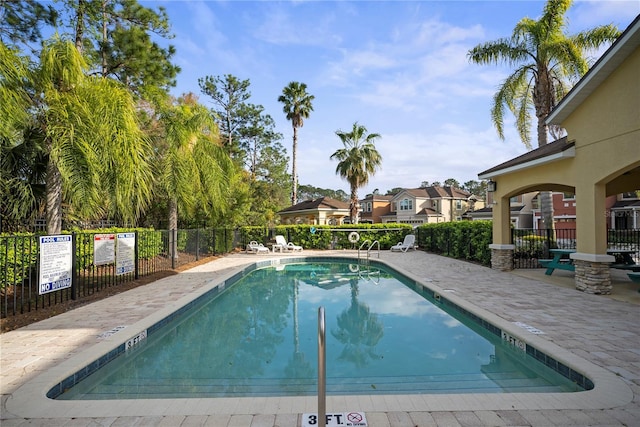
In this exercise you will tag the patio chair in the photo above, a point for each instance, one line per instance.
(408, 243)
(283, 245)
(255, 248)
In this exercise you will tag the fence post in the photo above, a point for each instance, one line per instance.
(74, 267)
(173, 246)
(136, 256)
(197, 243)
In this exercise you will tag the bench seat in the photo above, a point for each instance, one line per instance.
(632, 267)
(545, 262)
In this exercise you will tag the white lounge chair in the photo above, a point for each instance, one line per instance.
(255, 248)
(408, 243)
(282, 244)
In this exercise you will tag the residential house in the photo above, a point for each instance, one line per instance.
(374, 207)
(431, 204)
(521, 207)
(625, 211)
(320, 211)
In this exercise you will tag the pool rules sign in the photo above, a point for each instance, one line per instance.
(56, 263)
(339, 419)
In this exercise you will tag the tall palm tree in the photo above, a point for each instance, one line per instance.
(357, 161)
(92, 138)
(193, 168)
(297, 107)
(546, 61)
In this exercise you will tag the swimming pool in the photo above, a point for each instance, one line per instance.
(387, 335)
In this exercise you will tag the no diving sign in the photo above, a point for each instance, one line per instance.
(339, 419)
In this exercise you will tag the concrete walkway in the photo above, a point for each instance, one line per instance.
(597, 334)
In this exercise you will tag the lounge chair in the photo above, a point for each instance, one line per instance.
(255, 248)
(282, 244)
(408, 243)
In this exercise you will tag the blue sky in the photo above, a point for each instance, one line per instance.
(397, 67)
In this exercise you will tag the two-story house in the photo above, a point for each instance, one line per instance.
(521, 207)
(623, 210)
(374, 207)
(430, 205)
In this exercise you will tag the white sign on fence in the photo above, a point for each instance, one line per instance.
(56, 267)
(339, 419)
(104, 249)
(125, 253)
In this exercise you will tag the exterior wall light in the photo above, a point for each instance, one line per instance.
(492, 186)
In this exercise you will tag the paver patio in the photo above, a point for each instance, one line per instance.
(600, 333)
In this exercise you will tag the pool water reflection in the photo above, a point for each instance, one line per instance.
(259, 338)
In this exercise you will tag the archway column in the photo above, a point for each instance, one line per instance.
(592, 273)
(501, 248)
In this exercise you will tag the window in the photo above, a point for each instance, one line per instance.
(458, 204)
(406, 205)
(630, 195)
(568, 196)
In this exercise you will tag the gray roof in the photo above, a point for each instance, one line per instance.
(437, 192)
(317, 204)
(550, 149)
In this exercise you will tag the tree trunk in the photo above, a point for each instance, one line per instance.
(54, 198)
(80, 25)
(103, 48)
(542, 103)
(353, 206)
(173, 227)
(294, 171)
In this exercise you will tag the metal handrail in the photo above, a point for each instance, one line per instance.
(375, 242)
(322, 385)
(364, 242)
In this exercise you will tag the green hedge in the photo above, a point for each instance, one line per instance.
(19, 251)
(18, 258)
(333, 237)
(467, 240)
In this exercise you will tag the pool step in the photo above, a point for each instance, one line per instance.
(500, 383)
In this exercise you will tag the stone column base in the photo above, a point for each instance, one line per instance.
(593, 277)
(502, 257)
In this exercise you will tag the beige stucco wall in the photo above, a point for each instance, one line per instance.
(606, 132)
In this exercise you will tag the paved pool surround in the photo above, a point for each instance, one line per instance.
(593, 335)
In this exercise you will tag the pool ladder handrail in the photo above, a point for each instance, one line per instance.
(322, 378)
(374, 243)
(370, 275)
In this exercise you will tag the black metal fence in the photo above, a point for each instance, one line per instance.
(532, 245)
(163, 250)
(155, 251)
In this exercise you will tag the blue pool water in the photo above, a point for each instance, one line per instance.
(258, 337)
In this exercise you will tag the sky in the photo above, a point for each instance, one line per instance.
(399, 68)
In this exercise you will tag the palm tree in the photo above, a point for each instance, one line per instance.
(19, 157)
(193, 168)
(92, 138)
(546, 61)
(358, 161)
(297, 107)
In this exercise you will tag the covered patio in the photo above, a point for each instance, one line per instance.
(599, 157)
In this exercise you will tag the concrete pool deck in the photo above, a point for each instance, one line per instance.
(598, 335)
